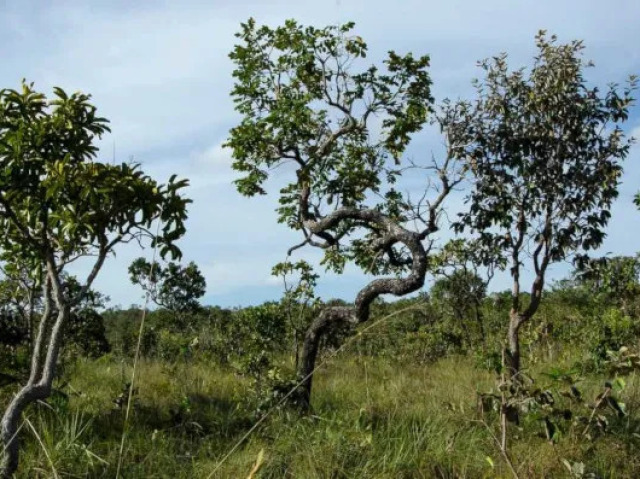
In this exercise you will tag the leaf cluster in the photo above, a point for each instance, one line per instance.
(306, 106)
(55, 199)
(545, 149)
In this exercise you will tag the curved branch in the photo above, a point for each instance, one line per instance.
(360, 313)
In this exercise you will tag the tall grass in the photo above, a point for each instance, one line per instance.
(373, 418)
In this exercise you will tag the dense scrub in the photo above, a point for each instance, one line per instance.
(405, 398)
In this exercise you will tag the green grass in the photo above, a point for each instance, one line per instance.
(372, 418)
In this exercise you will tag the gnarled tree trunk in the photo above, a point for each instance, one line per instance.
(9, 425)
(334, 316)
(328, 318)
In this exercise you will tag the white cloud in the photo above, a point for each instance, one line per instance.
(204, 167)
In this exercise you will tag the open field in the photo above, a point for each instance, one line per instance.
(372, 418)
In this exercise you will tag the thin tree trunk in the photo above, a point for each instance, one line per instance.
(513, 347)
(38, 386)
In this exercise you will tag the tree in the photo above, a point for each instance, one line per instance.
(460, 295)
(461, 288)
(305, 107)
(545, 150)
(256, 336)
(174, 287)
(57, 205)
(616, 278)
(299, 299)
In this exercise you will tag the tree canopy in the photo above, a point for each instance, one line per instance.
(545, 149)
(305, 105)
(173, 286)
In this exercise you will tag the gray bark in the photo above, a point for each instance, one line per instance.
(512, 357)
(9, 425)
(333, 316)
(40, 381)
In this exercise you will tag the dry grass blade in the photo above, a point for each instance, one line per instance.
(257, 465)
(136, 358)
(44, 448)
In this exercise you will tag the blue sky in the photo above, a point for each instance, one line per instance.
(159, 71)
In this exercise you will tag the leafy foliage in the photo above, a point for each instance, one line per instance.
(51, 191)
(300, 302)
(86, 333)
(174, 287)
(58, 205)
(617, 278)
(302, 104)
(255, 338)
(545, 150)
(537, 145)
(545, 169)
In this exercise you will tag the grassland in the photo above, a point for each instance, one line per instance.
(373, 417)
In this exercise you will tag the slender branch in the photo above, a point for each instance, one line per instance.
(102, 254)
(538, 283)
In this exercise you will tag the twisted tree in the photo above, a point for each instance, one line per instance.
(340, 132)
(58, 205)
